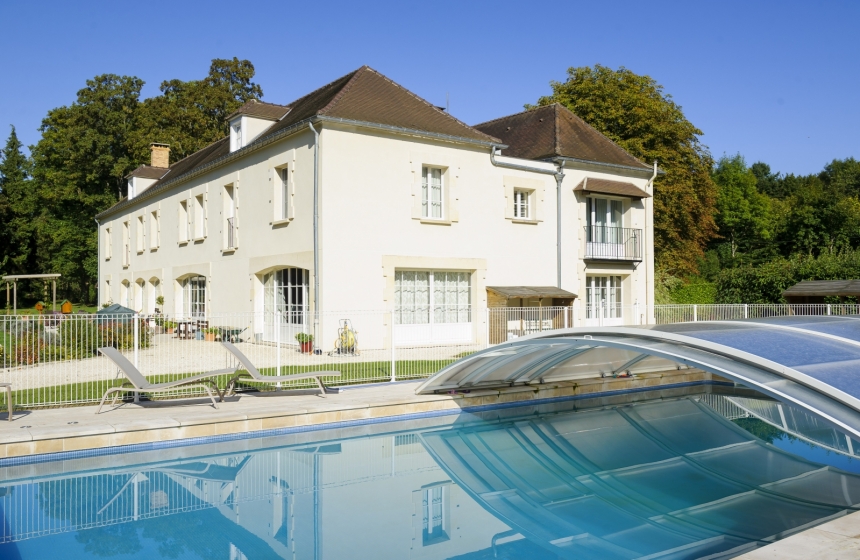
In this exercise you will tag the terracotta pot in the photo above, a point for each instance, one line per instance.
(210, 336)
(306, 347)
(171, 330)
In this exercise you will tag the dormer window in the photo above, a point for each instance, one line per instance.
(236, 135)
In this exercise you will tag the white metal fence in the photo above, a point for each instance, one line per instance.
(53, 360)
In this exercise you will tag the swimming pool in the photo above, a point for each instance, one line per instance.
(681, 473)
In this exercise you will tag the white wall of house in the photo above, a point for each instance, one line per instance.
(371, 226)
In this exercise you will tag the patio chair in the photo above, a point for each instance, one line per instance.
(137, 383)
(253, 374)
(9, 404)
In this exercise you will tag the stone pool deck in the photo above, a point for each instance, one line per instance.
(34, 432)
(835, 540)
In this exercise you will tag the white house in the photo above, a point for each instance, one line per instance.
(361, 196)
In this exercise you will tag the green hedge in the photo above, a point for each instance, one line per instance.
(766, 282)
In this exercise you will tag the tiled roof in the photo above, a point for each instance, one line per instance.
(605, 186)
(554, 131)
(364, 95)
(260, 109)
(148, 172)
(367, 96)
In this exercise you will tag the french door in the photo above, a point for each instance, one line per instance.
(285, 305)
(603, 301)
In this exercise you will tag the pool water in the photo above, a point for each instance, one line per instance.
(675, 474)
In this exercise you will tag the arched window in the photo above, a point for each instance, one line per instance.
(285, 294)
(154, 292)
(139, 288)
(123, 294)
(194, 297)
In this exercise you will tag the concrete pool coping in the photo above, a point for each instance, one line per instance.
(42, 434)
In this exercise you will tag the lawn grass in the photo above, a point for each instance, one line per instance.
(30, 310)
(351, 373)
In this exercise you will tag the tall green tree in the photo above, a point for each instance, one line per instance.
(843, 176)
(87, 149)
(18, 210)
(79, 164)
(635, 112)
(191, 115)
(744, 218)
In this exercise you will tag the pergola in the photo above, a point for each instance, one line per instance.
(13, 278)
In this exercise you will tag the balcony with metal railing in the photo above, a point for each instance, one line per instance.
(604, 243)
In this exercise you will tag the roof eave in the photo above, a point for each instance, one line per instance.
(644, 169)
(490, 142)
(289, 131)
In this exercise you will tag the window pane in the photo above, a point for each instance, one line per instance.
(425, 192)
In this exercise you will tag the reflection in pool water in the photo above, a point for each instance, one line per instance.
(677, 474)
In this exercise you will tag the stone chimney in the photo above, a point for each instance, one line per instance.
(160, 155)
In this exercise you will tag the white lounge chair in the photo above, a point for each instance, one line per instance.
(137, 383)
(253, 374)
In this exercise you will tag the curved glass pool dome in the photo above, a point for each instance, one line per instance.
(811, 362)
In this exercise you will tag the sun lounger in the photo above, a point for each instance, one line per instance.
(9, 404)
(252, 374)
(137, 383)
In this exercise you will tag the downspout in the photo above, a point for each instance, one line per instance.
(649, 293)
(98, 264)
(316, 236)
(559, 176)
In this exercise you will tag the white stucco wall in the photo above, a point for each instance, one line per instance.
(370, 226)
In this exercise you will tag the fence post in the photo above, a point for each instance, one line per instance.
(695, 312)
(746, 311)
(487, 328)
(136, 348)
(566, 311)
(277, 326)
(393, 352)
(828, 309)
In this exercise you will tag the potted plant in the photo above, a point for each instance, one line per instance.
(159, 301)
(211, 333)
(306, 342)
(170, 327)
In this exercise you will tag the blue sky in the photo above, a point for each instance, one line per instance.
(776, 81)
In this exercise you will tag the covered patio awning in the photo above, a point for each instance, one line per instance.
(530, 292)
(822, 288)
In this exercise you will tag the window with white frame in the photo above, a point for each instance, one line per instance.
(194, 297)
(199, 217)
(427, 297)
(433, 513)
(284, 184)
(108, 244)
(107, 298)
(141, 234)
(522, 204)
(154, 230)
(431, 193)
(236, 136)
(184, 229)
(124, 289)
(154, 291)
(230, 217)
(126, 244)
(603, 297)
(604, 220)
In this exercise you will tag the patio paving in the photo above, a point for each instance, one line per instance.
(79, 428)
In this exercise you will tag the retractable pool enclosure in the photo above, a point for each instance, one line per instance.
(809, 362)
